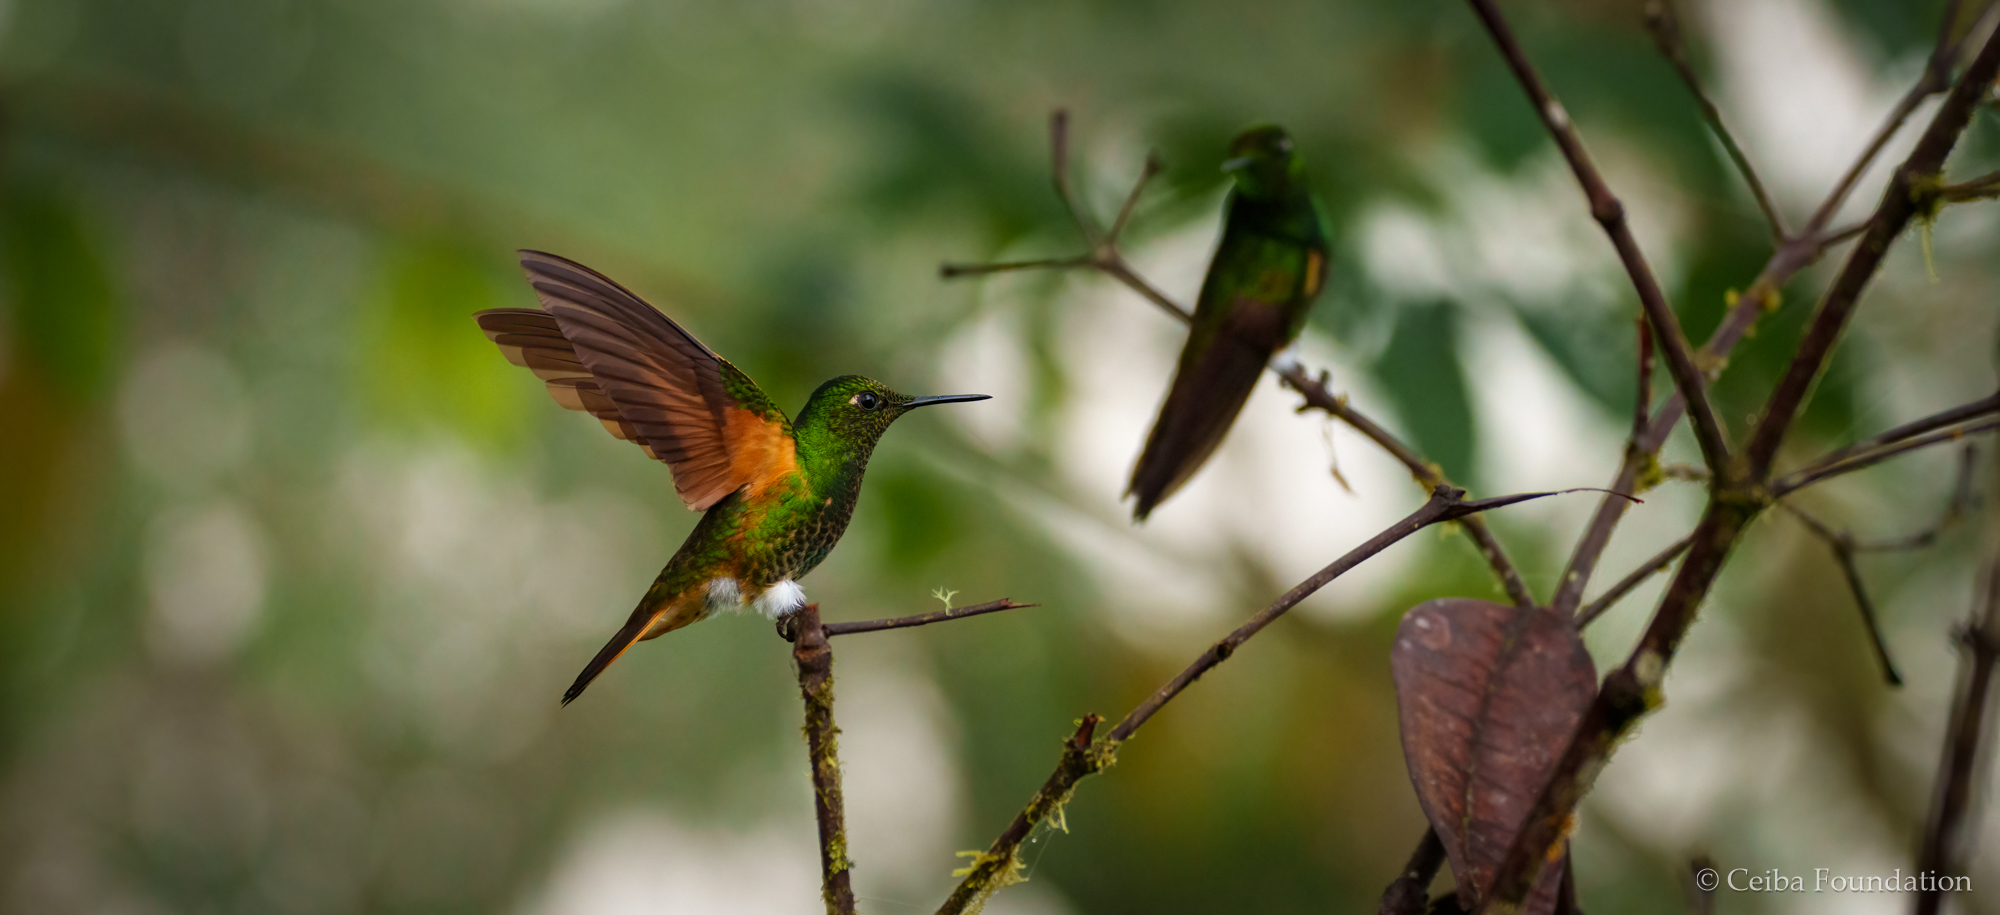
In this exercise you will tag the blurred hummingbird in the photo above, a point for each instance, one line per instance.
(777, 493)
(1267, 270)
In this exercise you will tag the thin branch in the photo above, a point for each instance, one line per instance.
(1957, 769)
(1106, 258)
(1665, 28)
(1427, 474)
(1963, 500)
(1936, 79)
(1841, 545)
(1083, 757)
(1646, 570)
(815, 662)
(1982, 407)
(1610, 215)
(954, 271)
(1445, 505)
(1984, 187)
(1146, 175)
(1826, 470)
(1642, 401)
(1843, 234)
(1059, 170)
(1629, 692)
(1408, 893)
(924, 619)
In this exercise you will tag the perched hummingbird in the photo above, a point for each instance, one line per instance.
(778, 493)
(1267, 270)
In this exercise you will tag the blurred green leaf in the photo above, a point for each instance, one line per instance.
(61, 304)
(424, 363)
(1420, 373)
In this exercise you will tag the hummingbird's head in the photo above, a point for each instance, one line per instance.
(1263, 163)
(856, 410)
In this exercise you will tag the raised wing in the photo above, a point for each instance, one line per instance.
(604, 351)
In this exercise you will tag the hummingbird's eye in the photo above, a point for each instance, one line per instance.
(866, 400)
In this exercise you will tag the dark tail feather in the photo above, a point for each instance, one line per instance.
(1201, 405)
(626, 638)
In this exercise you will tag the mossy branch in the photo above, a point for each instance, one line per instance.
(814, 656)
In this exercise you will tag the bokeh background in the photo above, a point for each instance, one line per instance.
(293, 566)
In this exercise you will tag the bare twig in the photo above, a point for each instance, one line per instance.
(1963, 499)
(1953, 791)
(1843, 234)
(1426, 473)
(1982, 407)
(954, 271)
(1936, 79)
(1610, 215)
(1408, 893)
(1059, 170)
(1106, 258)
(815, 661)
(1648, 569)
(1841, 545)
(1631, 690)
(1146, 175)
(1642, 401)
(1984, 187)
(1081, 757)
(1825, 470)
(923, 619)
(1665, 27)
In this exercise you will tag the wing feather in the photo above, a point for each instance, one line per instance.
(602, 350)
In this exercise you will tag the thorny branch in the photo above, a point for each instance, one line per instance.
(1083, 756)
(1632, 690)
(815, 661)
(1107, 258)
(1791, 256)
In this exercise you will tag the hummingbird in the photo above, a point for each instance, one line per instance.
(1267, 270)
(777, 493)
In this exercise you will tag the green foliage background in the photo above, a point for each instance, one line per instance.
(241, 241)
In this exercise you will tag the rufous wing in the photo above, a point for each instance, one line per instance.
(602, 350)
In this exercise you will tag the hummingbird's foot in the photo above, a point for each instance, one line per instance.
(780, 599)
(1286, 360)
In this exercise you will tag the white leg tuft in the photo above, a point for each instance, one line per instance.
(781, 599)
(724, 594)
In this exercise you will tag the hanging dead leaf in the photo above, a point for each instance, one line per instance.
(1487, 696)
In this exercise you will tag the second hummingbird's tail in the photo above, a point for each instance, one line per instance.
(655, 615)
(1209, 389)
